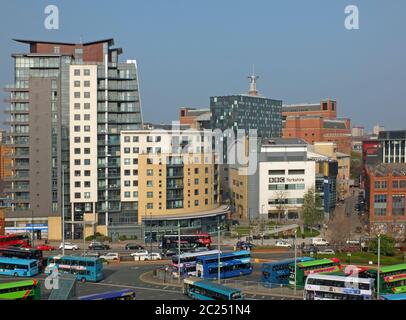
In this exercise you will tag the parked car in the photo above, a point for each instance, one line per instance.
(92, 254)
(153, 256)
(200, 249)
(172, 252)
(110, 256)
(235, 222)
(327, 251)
(96, 245)
(133, 246)
(69, 246)
(139, 253)
(284, 244)
(45, 247)
(352, 242)
(309, 249)
(320, 242)
(242, 245)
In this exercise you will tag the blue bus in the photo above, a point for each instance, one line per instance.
(232, 264)
(85, 268)
(207, 290)
(277, 273)
(124, 294)
(398, 296)
(18, 267)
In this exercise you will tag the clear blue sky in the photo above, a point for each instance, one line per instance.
(189, 50)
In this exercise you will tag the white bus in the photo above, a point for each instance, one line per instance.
(188, 261)
(333, 287)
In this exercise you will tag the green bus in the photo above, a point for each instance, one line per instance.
(20, 290)
(392, 279)
(303, 269)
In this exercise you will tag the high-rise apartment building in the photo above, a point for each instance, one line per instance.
(68, 104)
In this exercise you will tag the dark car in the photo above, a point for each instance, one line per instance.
(95, 245)
(172, 252)
(133, 246)
(309, 249)
(235, 222)
(241, 245)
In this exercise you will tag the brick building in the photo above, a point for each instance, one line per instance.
(385, 187)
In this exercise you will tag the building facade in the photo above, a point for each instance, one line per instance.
(169, 177)
(393, 145)
(326, 109)
(358, 131)
(195, 118)
(385, 187)
(68, 104)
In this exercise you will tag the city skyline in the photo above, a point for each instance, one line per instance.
(365, 66)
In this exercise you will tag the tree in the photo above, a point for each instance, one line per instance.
(312, 210)
(387, 245)
(281, 196)
(356, 165)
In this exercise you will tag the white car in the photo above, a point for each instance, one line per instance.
(284, 244)
(319, 242)
(69, 246)
(110, 256)
(140, 255)
(327, 251)
(153, 256)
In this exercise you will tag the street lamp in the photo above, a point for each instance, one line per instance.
(295, 258)
(218, 254)
(379, 266)
(178, 251)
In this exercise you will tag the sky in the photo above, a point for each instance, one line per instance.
(189, 50)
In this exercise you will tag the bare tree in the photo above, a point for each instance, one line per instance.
(281, 202)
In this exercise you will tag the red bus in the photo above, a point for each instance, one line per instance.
(20, 240)
(200, 239)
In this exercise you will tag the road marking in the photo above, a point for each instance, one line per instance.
(133, 287)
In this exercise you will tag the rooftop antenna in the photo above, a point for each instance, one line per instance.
(81, 40)
(253, 83)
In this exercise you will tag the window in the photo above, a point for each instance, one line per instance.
(87, 173)
(87, 139)
(127, 138)
(86, 117)
(76, 95)
(296, 172)
(206, 201)
(86, 72)
(87, 195)
(395, 184)
(402, 184)
(127, 172)
(77, 162)
(87, 95)
(76, 128)
(135, 139)
(136, 150)
(127, 194)
(87, 184)
(150, 194)
(135, 161)
(76, 84)
(206, 170)
(398, 205)
(77, 117)
(86, 84)
(196, 170)
(196, 202)
(87, 151)
(150, 206)
(380, 204)
(77, 106)
(196, 181)
(76, 72)
(77, 173)
(150, 139)
(150, 172)
(149, 183)
(127, 161)
(87, 162)
(86, 128)
(127, 150)
(77, 184)
(135, 194)
(77, 195)
(86, 106)
(77, 150)
(77, 139)
(196, 192)
(276, 172)
(127, 183)
(57, 50)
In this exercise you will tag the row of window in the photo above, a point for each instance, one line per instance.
(77, 117)
(86, 84)
(300, 186)
(282, 172)
(86, 195)
(86, 72)
(396, 184)
(77, 95)
(85, 128)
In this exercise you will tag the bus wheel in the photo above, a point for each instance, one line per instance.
(16, 274)
(83, 280)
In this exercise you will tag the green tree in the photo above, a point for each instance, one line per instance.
(312, 210)
(356, 165)
(387, 245)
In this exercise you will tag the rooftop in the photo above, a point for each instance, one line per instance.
(109, 40)
(283, 141)
(385, 169)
